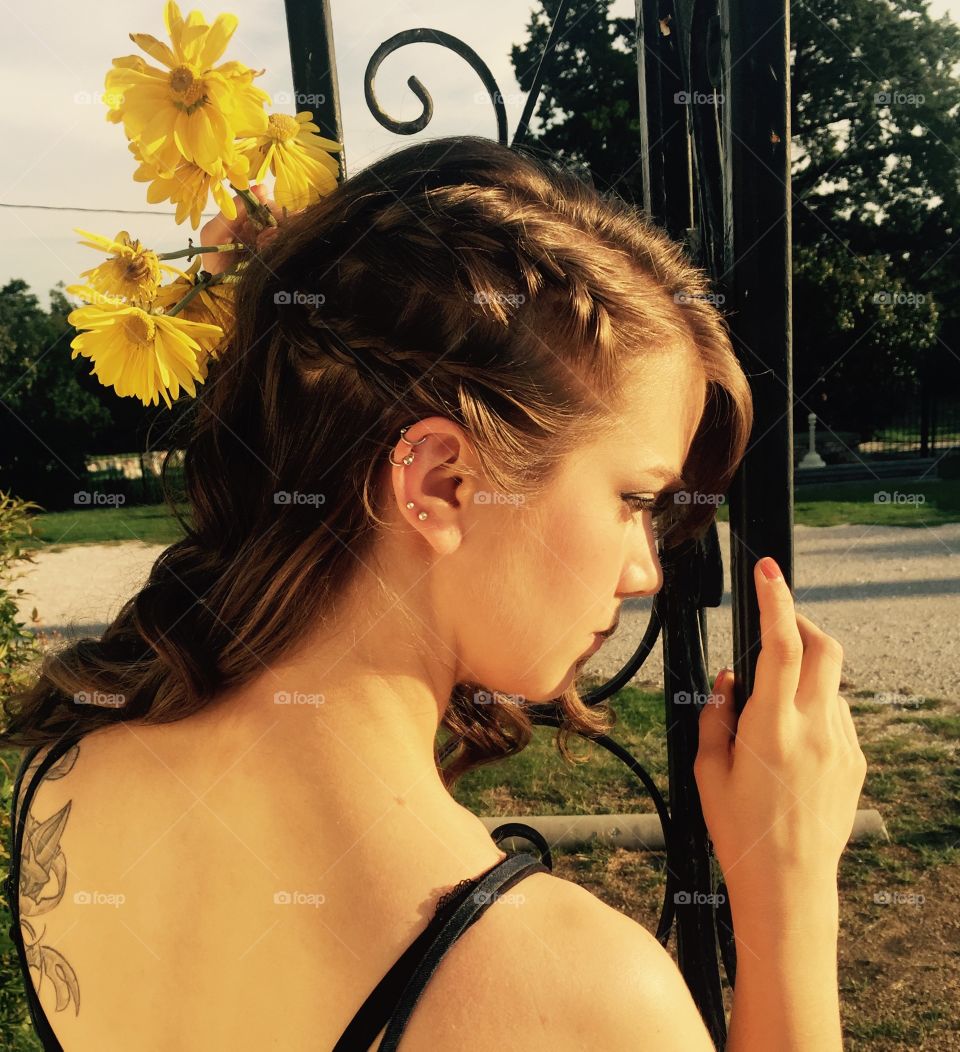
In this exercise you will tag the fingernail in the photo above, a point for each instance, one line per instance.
(721, 675)
(769, 569)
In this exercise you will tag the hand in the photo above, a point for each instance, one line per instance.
(222, 231)
(779, 787)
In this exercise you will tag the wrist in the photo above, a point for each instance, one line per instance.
(803, 905)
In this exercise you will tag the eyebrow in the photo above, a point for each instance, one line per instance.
(666, 475)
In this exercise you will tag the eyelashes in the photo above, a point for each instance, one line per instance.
(658, 505)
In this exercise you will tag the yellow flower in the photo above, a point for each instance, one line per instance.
(297, 156)
(189, 186)
(133, 272)
(213, 305)
(140, 354)
(191, 110)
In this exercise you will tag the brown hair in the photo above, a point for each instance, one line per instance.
(455, 277)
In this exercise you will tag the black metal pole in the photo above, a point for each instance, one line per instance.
(758, 279)
(314, 65)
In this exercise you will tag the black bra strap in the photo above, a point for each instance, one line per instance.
(503, 876)
(11, 885)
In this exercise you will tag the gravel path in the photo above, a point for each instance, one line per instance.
(890, 595)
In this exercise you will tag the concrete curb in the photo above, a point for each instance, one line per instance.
(642, 832)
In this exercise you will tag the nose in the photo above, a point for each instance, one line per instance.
(642, 573)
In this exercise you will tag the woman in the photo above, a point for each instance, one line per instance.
(430, 466)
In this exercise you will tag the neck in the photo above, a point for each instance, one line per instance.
(361, 750)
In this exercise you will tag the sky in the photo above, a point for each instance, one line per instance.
(61, 150)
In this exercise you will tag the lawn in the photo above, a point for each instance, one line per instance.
(151, 523)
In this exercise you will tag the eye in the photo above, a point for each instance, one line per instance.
(648, 502)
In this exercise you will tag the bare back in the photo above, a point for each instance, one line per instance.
(198, 914)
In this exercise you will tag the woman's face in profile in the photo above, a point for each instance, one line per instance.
(543, 578)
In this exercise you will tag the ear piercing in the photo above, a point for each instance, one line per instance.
(407, 460)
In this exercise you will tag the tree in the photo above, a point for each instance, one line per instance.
(859, 316)
(52, 412)
(876, 148)
(589, 104)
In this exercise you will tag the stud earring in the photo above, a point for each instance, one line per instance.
(407, 461)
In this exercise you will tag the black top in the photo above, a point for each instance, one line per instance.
(394, 998)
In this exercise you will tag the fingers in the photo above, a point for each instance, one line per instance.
(820, 671)
(262, 195)
(221, 231)
(717, 722)
(781, 646)
(846, 722)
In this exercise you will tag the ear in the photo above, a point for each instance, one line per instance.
(432, 496)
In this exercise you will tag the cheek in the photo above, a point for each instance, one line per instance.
(585, 548)
(574, 576)
(547, 580)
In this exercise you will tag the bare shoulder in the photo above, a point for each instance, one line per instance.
(629, 989)
(553, 964)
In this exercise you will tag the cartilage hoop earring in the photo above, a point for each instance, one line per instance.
(404, 430)
(407, 461)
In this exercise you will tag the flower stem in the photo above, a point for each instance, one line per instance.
(203, 283)
(197, 249)
(258, 211)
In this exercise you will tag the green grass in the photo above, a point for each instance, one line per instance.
(539, 781)
(829, 504)
(151, 523)
(836, 503)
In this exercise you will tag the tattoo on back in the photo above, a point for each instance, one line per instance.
(41, 860)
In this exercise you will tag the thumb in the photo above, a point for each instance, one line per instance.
(717, 722)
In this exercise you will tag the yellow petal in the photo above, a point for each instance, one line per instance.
(155, 49)
(217, 39)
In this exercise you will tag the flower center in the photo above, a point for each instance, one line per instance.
(183, 82)
(282, 127)
(137, 268)
(139, 327)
